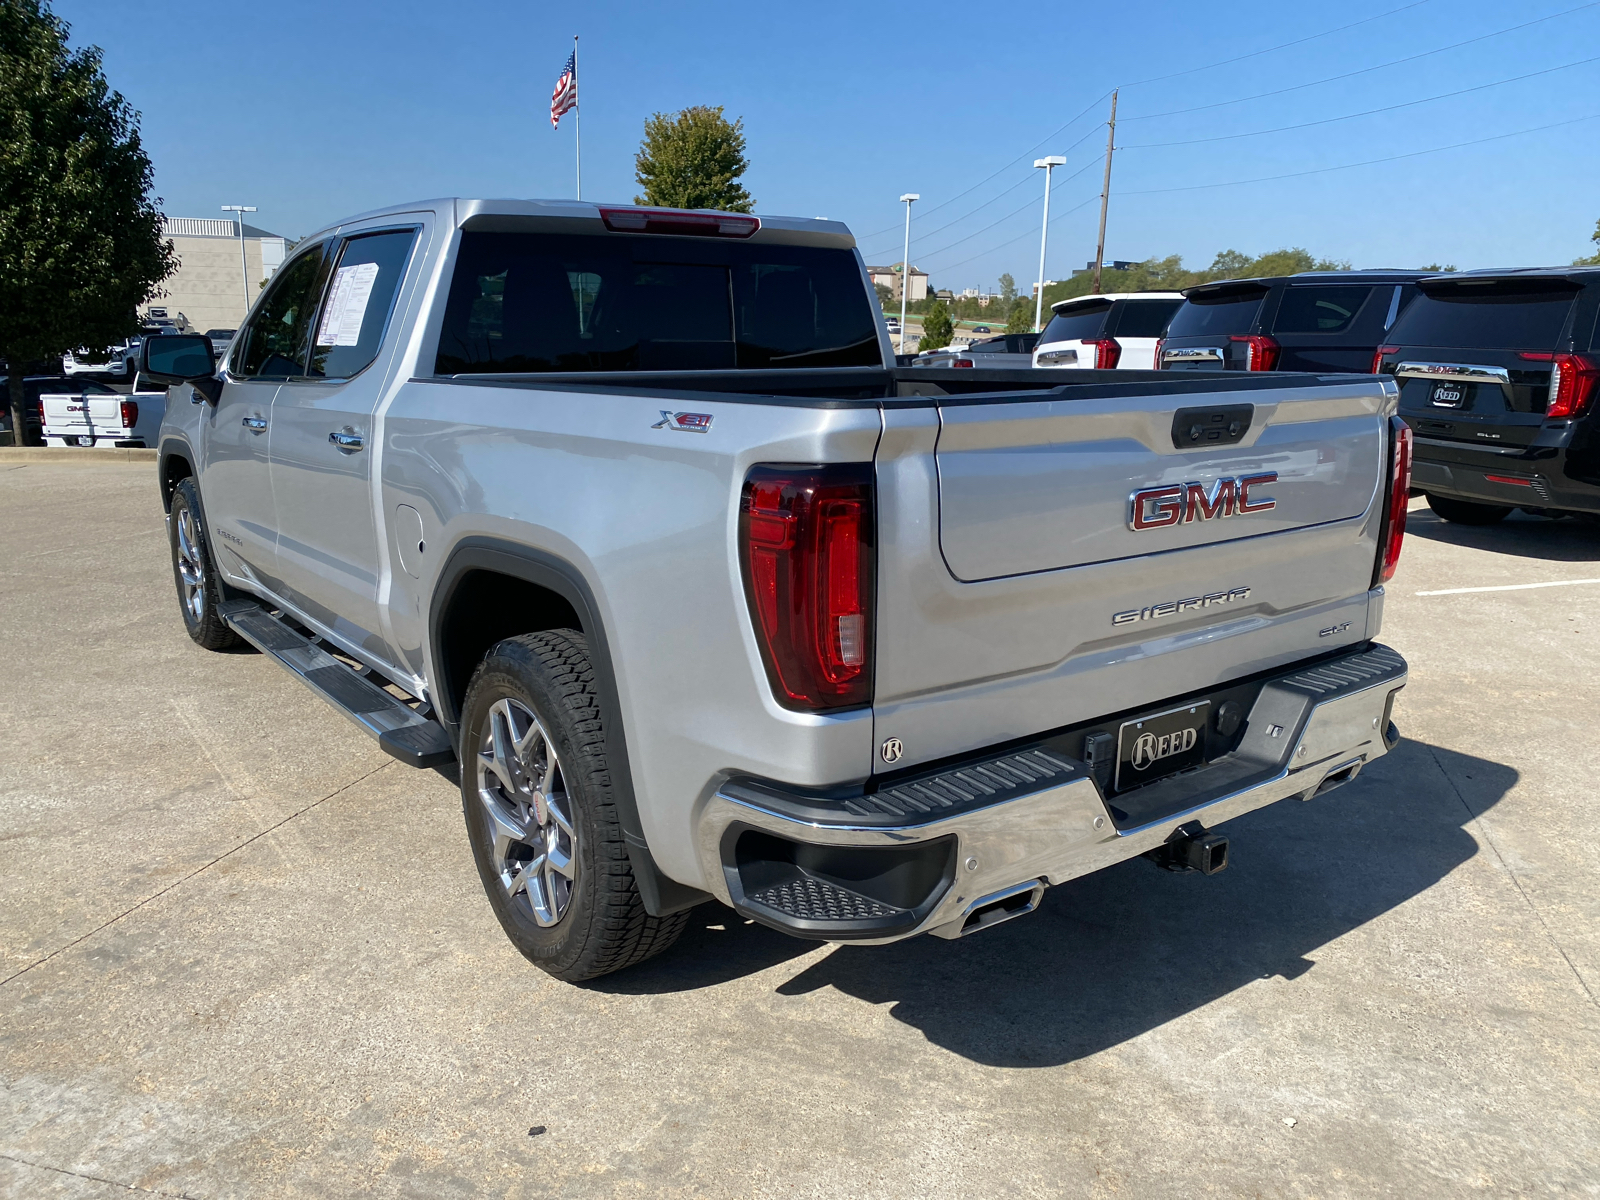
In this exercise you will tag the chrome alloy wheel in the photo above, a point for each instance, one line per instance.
(523, 789)
(190, 570)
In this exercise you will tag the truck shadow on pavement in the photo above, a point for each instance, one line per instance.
(1519, 535)
(1116, 954)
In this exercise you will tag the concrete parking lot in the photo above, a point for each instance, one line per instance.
(244, 953)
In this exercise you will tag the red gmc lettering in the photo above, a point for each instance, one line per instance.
(1201, 507)
(1156, 507)
(1250, 481)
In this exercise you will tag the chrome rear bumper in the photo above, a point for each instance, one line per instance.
(1307, 732)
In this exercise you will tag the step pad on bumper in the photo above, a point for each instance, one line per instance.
(401, 730)
(810, 899)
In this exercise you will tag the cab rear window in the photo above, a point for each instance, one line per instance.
(538, 302)
(1320, 309)
(1079, 323)
(1474, 318)
(1230, 313)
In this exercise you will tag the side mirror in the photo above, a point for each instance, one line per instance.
(181, 358)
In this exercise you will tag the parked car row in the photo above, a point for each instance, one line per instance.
(1498, 370)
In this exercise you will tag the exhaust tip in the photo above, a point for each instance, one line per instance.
(994, 909)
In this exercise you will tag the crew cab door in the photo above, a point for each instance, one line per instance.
(323, 441)
(235, 483)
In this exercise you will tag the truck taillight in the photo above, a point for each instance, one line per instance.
(962, 362)
(1393, 531)
(806, 547)
(130, 412)
(1261, 352)
(1378, 355)
(1572, 384)
(1107, 353)
(1160, 345)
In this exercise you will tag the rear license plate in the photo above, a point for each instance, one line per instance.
(1449, 395)
(1153, 747)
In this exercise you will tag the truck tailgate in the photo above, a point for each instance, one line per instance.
(1047, 485)
(1047, 607)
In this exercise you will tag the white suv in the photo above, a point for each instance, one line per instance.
(1105, 333)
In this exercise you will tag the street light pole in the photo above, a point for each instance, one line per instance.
(244, 269)
(908, 200)
(1049, 165)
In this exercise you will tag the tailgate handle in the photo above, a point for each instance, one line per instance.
(1194, 428)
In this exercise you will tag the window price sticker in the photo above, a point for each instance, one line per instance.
(347, 305)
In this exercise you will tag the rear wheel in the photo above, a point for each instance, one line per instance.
(537, 795)
(199, 589)
(1466, 512)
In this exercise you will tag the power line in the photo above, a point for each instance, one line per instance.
(1029, 204)
(1025, 179)
(1025, 233)
(1365, 162)
(1228, 137)
(1283, 46)
(946, 203)
(1364, 70)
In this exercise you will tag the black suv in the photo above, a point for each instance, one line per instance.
(1316, 321)
(1498, 374)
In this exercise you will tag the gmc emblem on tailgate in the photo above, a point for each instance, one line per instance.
(1180, 503)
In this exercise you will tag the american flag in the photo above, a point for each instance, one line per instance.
(565, 98)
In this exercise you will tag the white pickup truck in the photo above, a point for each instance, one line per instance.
(627, 513)
(100, 416)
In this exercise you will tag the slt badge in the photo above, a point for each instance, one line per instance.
(1181, 503)
(685, 422)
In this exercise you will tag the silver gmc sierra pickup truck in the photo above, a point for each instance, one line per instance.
(628, 515)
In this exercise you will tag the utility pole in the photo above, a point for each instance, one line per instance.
(908, 200)
(1105, 194)
(239, 211)
(1049, 165)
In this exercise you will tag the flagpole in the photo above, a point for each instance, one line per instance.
(577, 121)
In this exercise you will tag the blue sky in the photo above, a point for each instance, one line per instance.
(316, 110)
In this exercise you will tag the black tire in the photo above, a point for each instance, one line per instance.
(604, 926)
(1466, 512)
(200, 589)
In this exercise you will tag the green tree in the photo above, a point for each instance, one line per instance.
(693, 159)
(1008, 291)
(1592, 260)
(1019, 318)
(936, 327)
(885, 296)
(80, 235)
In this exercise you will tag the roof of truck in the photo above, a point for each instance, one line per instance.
(482, 213)
(1375, 275)
(1058, 305)
(1489, 274)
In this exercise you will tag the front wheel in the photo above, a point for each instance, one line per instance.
(199, 589)
(1465, 512)
(537, 795)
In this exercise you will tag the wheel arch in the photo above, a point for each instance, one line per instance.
(176, 464)
(490, 589)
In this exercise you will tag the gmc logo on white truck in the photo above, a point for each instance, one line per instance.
(1181, 503)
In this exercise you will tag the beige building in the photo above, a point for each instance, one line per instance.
(889, 277)
(211, 283)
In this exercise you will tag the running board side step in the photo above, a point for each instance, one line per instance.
(401, 730)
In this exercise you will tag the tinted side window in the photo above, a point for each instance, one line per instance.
(360, 298)
(275, 338)
(1227, 314)
(1079, 323)
(523, 302)
(1145, 318)
(1480, 318)
(1320, 309)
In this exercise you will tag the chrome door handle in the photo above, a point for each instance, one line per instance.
(348, 442)
(255, 424)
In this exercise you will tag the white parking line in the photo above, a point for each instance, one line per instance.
(1510, 587)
